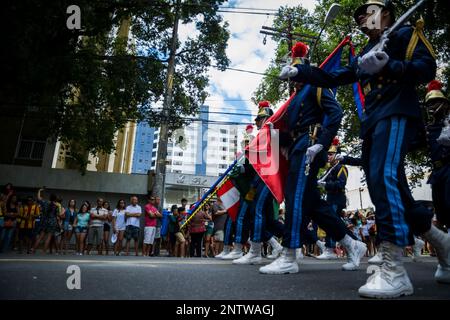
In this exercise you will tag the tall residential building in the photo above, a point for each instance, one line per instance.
(201, 148)
(143, 148)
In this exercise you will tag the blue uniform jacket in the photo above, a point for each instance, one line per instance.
(306, 110)
(392, 91)
(335, 185)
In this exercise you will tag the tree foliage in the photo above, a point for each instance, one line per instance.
(437, 22)
(87, 84)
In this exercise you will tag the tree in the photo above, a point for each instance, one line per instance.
(88, 83)
(437, 22)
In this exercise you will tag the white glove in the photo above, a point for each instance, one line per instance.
(373, 62)
(312, 151)
(288, 72)
(321, 184)
(444, 137)
(339, 157)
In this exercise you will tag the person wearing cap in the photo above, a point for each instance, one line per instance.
(261, 206)
(309, 138)
(388, 127)
(334, 186)
(438, 110)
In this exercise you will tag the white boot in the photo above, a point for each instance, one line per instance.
(253, 256)
(276, 248)
(285, 263)
(235, 253)
(321, 246)
(327, 254)
(377, 258)
(225, 251)
(441, 243)
(417, 248)
(390, 280)
(355, 251)
(299, 255)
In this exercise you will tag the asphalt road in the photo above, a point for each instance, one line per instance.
(111, 277)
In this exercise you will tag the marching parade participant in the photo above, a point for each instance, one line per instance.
(307, 142)
(262, 207)
(333, 182)
(389, 70)
(438, 111)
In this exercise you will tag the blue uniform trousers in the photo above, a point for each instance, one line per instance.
(303, 201)
(398, 216)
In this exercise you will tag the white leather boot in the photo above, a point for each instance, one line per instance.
(285, 263)
(276, 248)
(327, 254)
(390, 280)
(355, 251)
(441, 243)
(236, 253)
(377, 258)
(225, 251)
(253, 256)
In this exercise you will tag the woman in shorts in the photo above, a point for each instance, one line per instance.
(81, 227)
(69, 217)
(209, 245)
(118, 224)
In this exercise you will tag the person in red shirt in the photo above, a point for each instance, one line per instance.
(151, 215)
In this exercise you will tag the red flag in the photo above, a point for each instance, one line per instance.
(271, 165)
(230, 196)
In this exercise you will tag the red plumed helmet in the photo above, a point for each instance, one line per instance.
(335, 141)
(434, 85)
(264, 104)
(299, 50)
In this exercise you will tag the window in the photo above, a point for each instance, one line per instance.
(224, 131)
(224, 148)
(155, 145)
(213, 138)
(179, 154)
(223, 166)
(153, 163)
(153, 154)
(177, 163)
(31, 149)
(140, 160)
(223, 139)
(177, 171)
(224, 157)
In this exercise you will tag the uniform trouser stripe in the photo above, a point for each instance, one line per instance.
(297, 205)
(240, 221)
(391, 164)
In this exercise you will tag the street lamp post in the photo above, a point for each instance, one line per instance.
(360, 197)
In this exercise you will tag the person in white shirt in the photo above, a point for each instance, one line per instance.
(118, 224)
(133, 213)
(95, 233)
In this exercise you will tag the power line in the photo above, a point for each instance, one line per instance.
(248, 12)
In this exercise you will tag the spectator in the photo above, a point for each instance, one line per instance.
(173, 222)
(151, 213)
(118, 224)
(107, 227)
(27, 214)
(158, 239)
(180, 243)
(281, 216)
(219, 215)
(209, 243)
(184, 203)
(132, 214)
(81, 227)
(69, 217)
(56, 241)
(372, 227)
(2, 214)
(95, 233)
(197, 230)
(10, 221)
(8, 190)
(49, 223)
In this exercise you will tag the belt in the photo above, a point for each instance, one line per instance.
(312, 129)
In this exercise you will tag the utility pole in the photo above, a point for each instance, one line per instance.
(160, 168)
(290, 36)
